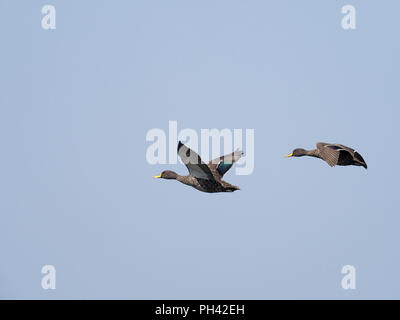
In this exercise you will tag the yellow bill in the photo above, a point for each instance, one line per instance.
(289, 155)
(159, 176)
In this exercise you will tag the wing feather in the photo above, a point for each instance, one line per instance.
(338, 154)
(197, 168)
(328, 152)
(222, 164)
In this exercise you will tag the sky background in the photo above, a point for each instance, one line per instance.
(77, 192)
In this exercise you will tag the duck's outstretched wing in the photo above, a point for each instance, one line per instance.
(330, 152)
(197, 168)
(222, 164)
(360, 160)
(335, 154)
(356, 158)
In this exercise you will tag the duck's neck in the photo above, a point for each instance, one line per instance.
(313, 153)
(185, 179)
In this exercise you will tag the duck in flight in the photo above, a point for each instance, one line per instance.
(202, 176)
(333, 154)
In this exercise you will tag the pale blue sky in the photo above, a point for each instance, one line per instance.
(76, 190)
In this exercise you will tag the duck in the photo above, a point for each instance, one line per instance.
(204, 177)
(333, 154)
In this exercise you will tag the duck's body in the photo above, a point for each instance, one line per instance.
(204, 177)
(207, 185)
(333, 154)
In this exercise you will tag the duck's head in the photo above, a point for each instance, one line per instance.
(297, 153)
(167, 174)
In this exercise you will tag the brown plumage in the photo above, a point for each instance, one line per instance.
(333, 154)
(204, 177)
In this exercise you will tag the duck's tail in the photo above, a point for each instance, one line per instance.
(231, 188)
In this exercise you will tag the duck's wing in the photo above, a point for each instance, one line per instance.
(356, 157)
(360, 160)
(335, 154)
(197, 168)
(222, 164)
(331, 152)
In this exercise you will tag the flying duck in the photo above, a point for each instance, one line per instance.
(202, 176)
(333, 154)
